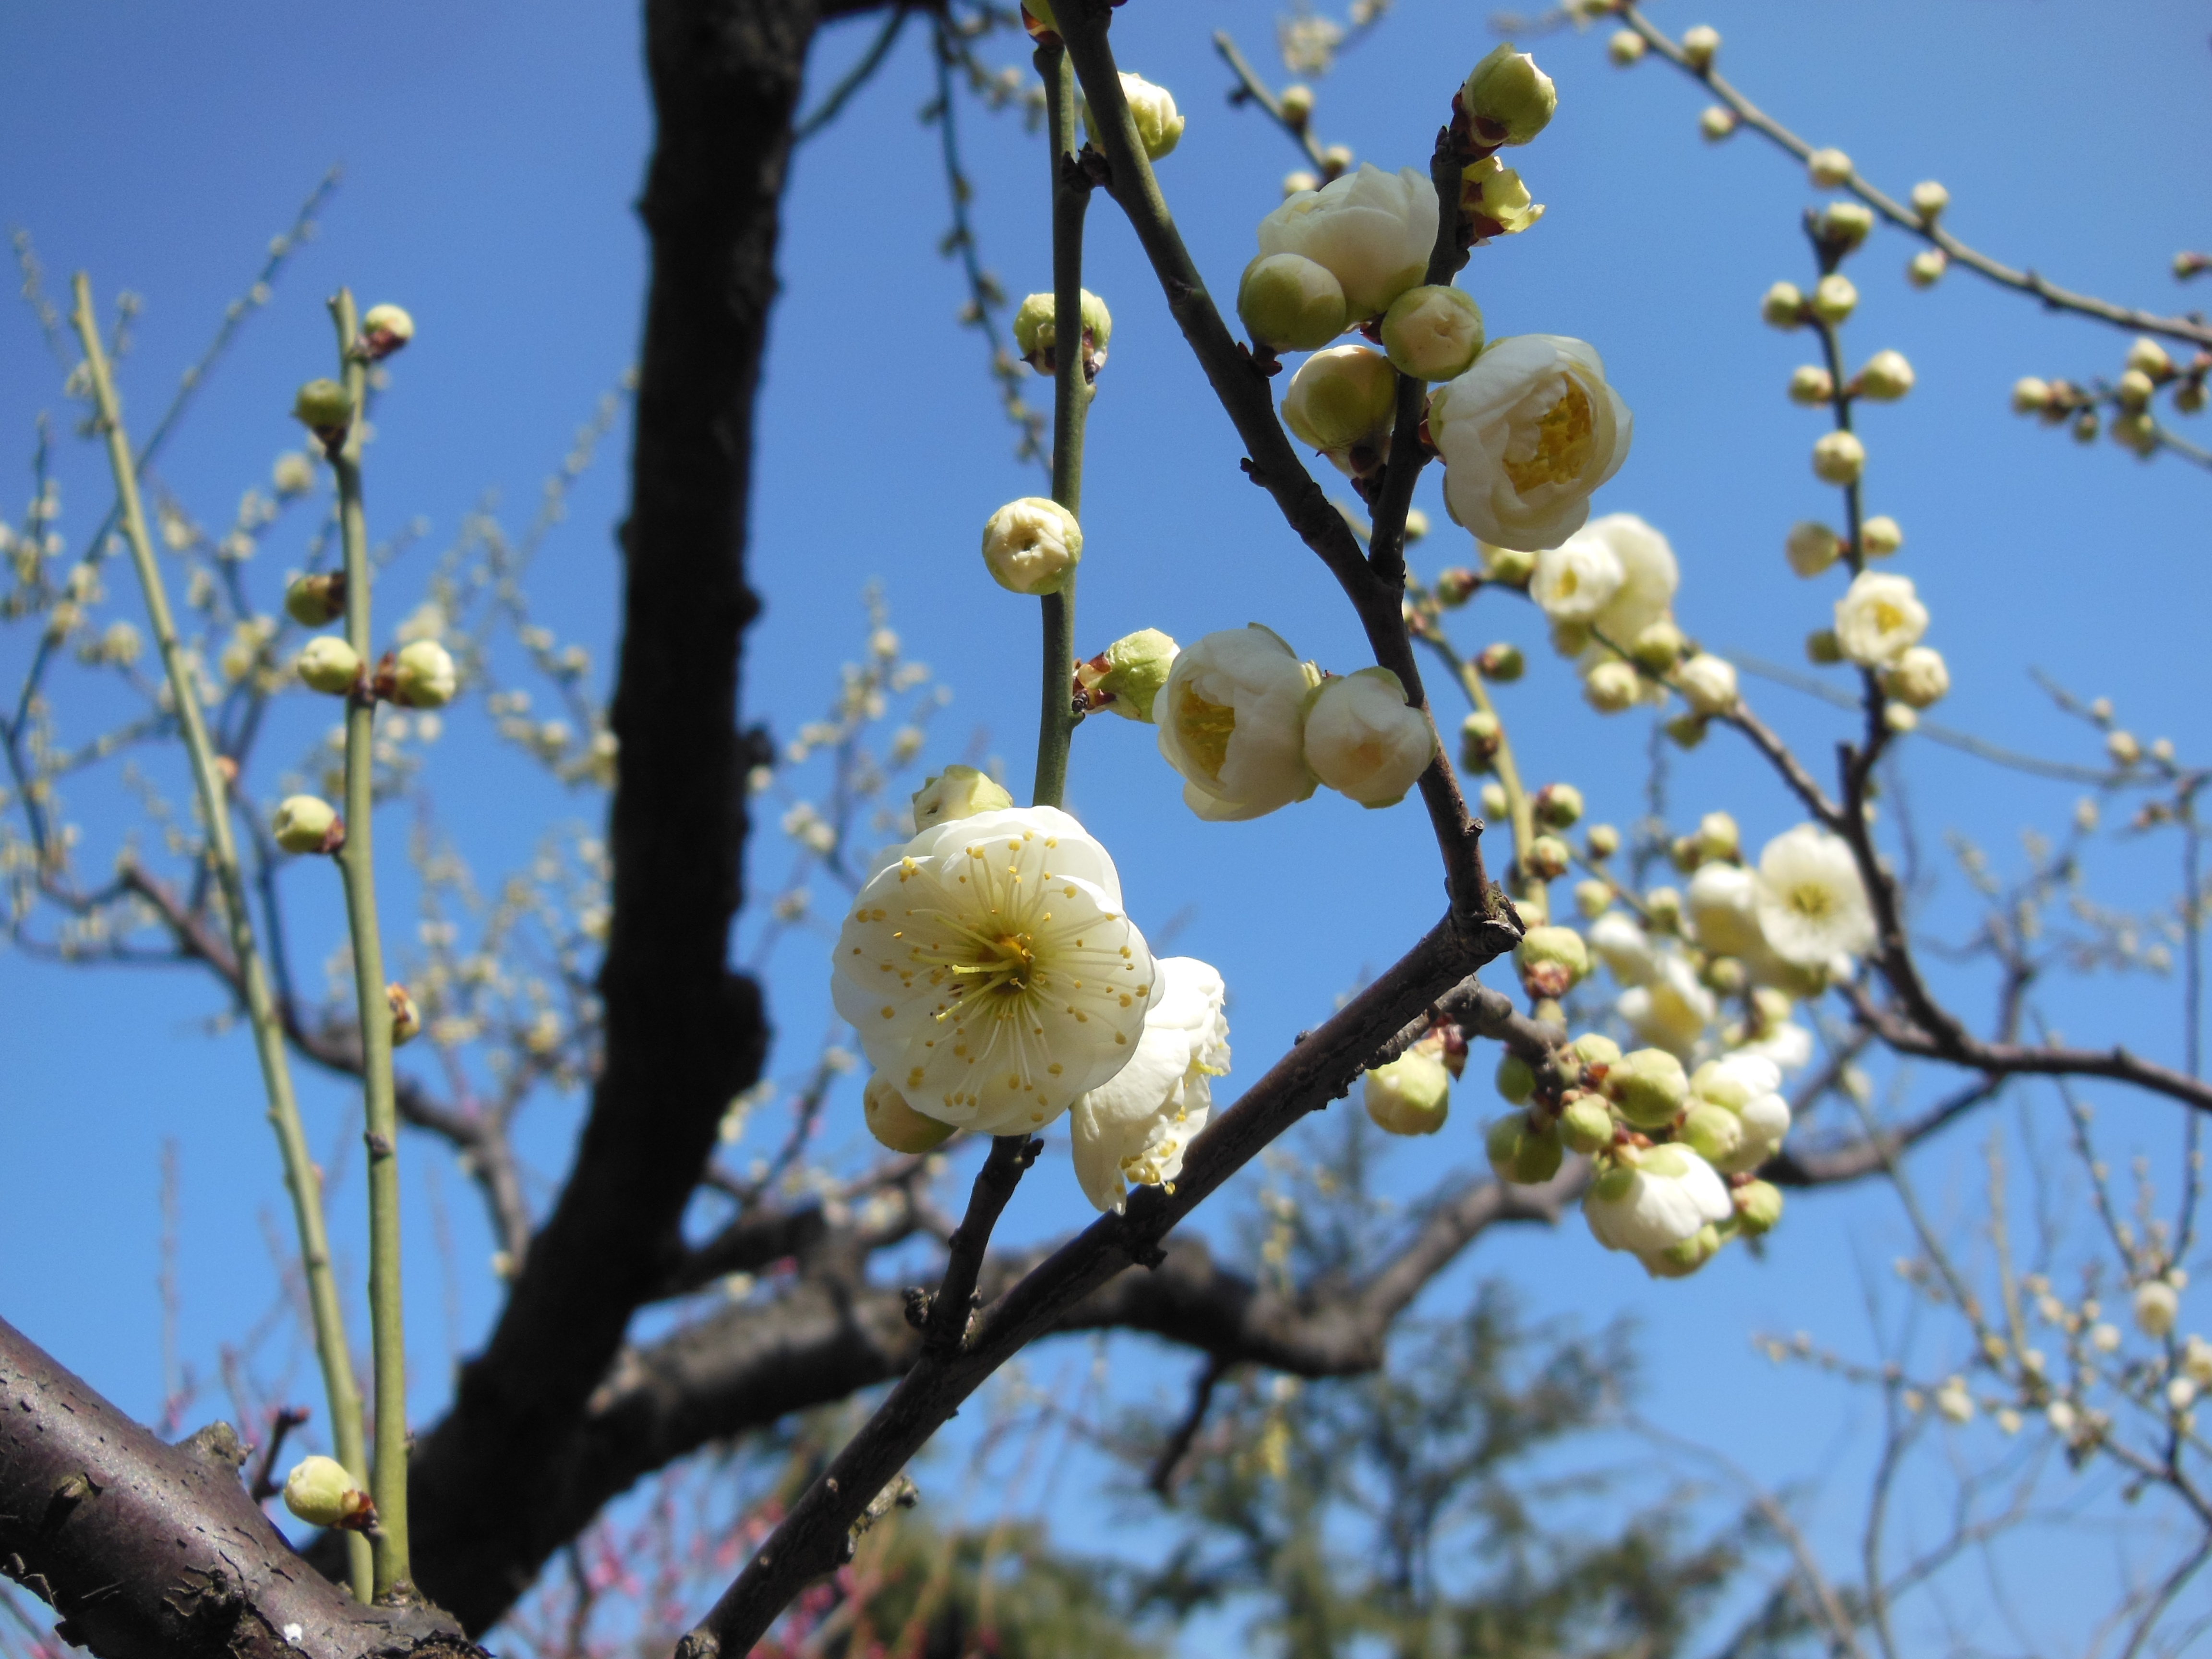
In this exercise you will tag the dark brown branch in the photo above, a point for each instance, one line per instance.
(1868, 1155)
(814, 1536)
(150, 1550)
(265, 1484)
(944, 1319)
(1169, 1464)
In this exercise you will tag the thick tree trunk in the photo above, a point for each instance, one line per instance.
(150, 1550)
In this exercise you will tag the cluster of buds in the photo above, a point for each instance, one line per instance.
(1505, 100)
(2149, 370)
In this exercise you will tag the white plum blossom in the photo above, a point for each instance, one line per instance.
(1671, 1010)
(1811, 905)
(1625, 948)
(1373, 231)
(1526, 435)
(1232, 721)
(989, 971)
(1032, 545)
(1135, 1127)
(1707, 684)
(1665, 1197)
(2155, 1306)
(1786, 1043)
(1575, 580)
(1650, 575)
(1878, 618)
(1364, 741)
(1722, 903)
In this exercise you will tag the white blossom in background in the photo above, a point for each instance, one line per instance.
(1575, 580)
(1707, 684)
(1667, 1196)
(1135, 1127)
(1722, 904)
(1671, 1010)
(1813, 907)
(1749, 1085)
(1878, 618)
(1232, 720)
(1625, 948)
(1363, 740)
(1373, 231)
(989, 972)
(1526, 435)
(1649, 576)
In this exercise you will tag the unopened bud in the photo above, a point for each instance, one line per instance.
(1480, 738)
(320, 1492)
(1812, 547)
(1296, 103)
(1507, 100)
(328, 664)
(1501, 662)
(1593, 898)
(1520, 1153)
(1625, 48)
(1811, 385)
(1783, 306)
(1828, 169)
(1037, 332)
(1708, 683)
(1515, 1080)
(2150, 358)
(1433, 333)
(1699, 43)
(2086, 426)
(1838, 457)
(306, 823)
(1881, 536)
(1508, 567)
(1925, 268)
(1822, 646)
(1662, 907)
(958, 792)
(2136, 430)
(1834, 297)
(1611, 688)
(1571, 639)
(1126, 676)
(1552, 960)
(1342, 398)
(1290, 303)
(1929, 199)
(895, 1124)
(1548, 860)
(1715, 122)
(1032, 546)
(1494, 802)
(423, 676)
(1758, 1207)
(1594, 1049)
(1586, 1124)
(324, 407)
(1713, 1133)
(1603, 840)
(2132, 390)
(2030, 396)
(1559, 805)
(406, 1019)
(1411, 1096)
(1649, 1085)
(1684, 731)
(316, 601)
(1297, 181)
(1658, 646)
(1887, 377)
(1159, 124)
(1454, 587)
(1846, 224)
(2122, 748)
(384, 330)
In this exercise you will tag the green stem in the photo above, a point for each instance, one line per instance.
(301, 1177)
(356, 862)
(1071, 200)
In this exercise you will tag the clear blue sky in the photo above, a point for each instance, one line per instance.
(491, 154)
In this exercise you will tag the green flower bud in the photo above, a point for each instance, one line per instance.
(1479, 737)
(1593, 898)
(1658, 646)
(1494, 803)
(1783, 306)
(1290, 303)
(1493, 201)
(1834, 298)
(1126, 676)
(1715, 122)
(1838, 457)
(328, 664)
(1846, 224)
(1625, 47)
(1159, 124)
(1664, 905)
(1650, 1087)
(1552, 960)
(316, 601)
(306, 823)
(896, 1125)
(1296, 103)
(1829, 169)
(1586, 1125)
(1341, 400)
(1548, 857)
(1520, 1153)
(1681, 1260)
(1929, 199)
(1726, 975)
(1411, 1096)
(1571, 639)
(1454, 587)
(320, 1492)
(323, 407)
(1602, 841)
(958, 791)
(1515, 1080)
(423, 676)
(1822, 646)
(1506, 99)
(1559, 805)
(1037, 332)
(1595, 1048)
(1758, 1207)
(1713, 1133)
(1502, 662)
(1611, 688)
(385, 329)
(1508, 567)
(1718, 836)
(1812, 547)
(1433, 333)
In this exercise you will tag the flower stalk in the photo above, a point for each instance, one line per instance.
(357, 863)
(301, 1178)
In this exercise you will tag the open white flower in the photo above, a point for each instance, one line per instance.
(1671, 1010)
(1722, 903)
(1812, 906)
(1232, 721)
(1649, 572)
(1665, 1197)
(989, 972)
(1575, 580)
(1372, 230)
(1136, 1127)
(1364, 741)
(1878, 617)
(1625, 948)
(1526, 435)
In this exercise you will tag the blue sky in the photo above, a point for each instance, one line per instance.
(491, 152)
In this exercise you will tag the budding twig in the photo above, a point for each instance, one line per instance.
(252, 976)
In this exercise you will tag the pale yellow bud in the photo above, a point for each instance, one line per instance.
(1715, 122)
(1342, 398)
(1929, 199)
(1925, 268)
(895, 1124)
(1838, 457)
(1159, 124)
(1834, 298)
(1829, 169)
(1812, 547)
(1507, 99)
(320, 1492)
(1290, 302)
(958, 791)
(1433, 333)
(2150, 358)
(1887, 377)
(1699, 43)
(1811, 385)
(2133, 390)
(1784, 306)
(1625, 48)
(1919, 679)
(423, 676)
(1880, 536)
(328, 664)
(1032, 546)
(2030, 396)
(304, 824)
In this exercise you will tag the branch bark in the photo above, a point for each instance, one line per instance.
(150, 1550)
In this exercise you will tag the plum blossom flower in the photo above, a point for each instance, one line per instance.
(1527, 435)
(1811, 905)
(1665, 1196)
(1625, 948)
(1364, 741)
(989, 971)
(1672, 1009)
(1232, 721)
(1372, 230)
(1136, 1127)
(1878, 618)
(1722, 904)
(1575, 580)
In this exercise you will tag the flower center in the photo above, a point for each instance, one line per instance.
(1813, 902)
(1563, 439)
(1206, 728)
(1889, 618)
